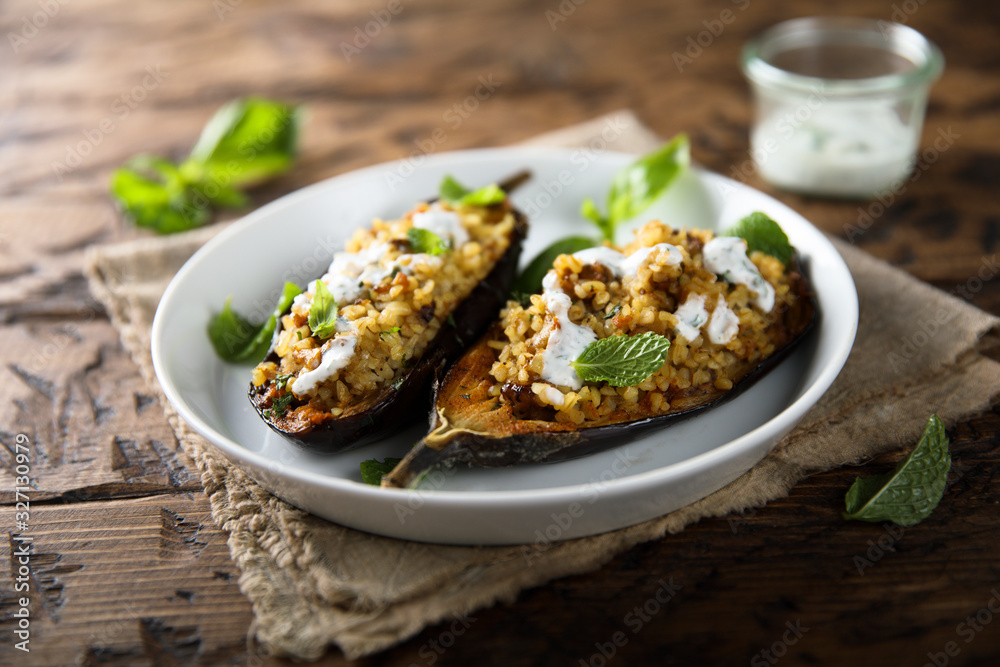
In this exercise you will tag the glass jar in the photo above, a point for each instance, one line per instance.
(839, 103)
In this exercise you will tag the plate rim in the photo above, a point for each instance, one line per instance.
(239, 454)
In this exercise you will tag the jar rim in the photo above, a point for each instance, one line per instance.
(928, 62)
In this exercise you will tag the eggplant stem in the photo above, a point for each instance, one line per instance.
(511, 183)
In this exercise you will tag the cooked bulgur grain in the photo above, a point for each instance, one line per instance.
(662, 285)
(391, 303)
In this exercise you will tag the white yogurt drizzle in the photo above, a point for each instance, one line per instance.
(350, 273)
(337, 353)
(628, 266)
(691, 316)
(724, 324)
(566, 341)
(726, 257)
(446, 224)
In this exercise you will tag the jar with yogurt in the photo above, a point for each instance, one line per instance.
(839, 104)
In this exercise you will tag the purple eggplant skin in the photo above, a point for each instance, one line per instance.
(469, 426)
(408, 399)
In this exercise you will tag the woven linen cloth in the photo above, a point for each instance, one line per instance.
(313, 583)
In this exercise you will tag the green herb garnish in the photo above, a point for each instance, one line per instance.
(279, 406)
(235, 339)
(530, 280)
(614, 311)
(391, 331)
(637, 186)
(908, 494)
(622, 361)
(323, 312)
(764, 234)
(245, 142)
(458, 195)
(423, 240)
(373, 470)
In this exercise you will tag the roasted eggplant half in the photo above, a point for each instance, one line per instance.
(354, 356)
(620, 342)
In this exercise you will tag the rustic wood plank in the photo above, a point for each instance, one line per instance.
(103, 80)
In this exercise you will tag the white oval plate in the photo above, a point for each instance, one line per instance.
(294, 237)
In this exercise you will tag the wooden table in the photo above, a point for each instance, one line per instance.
(130, 568)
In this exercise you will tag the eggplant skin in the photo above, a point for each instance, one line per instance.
(409, 398)
(472, 427)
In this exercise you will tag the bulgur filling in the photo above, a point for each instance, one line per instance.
(391, 300)
(704, 293)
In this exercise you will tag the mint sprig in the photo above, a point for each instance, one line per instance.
(457, 194)
(637, 186)
(236, 340)
(373, 470)
(622, 361)
(323, 312)
(763, 234)
(245, 142)
(426, 241)
(908, 494)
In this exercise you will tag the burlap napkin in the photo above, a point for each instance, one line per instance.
(313, 583)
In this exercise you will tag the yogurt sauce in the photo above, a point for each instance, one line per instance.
(446, 224)
(567, 340)
(691, 316)
(337, 353)
(726, 257)
(724, 324)
(347, 277)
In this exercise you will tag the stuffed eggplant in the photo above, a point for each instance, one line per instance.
(354, 356)
(619, 342)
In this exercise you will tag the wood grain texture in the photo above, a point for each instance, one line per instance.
(130, 570)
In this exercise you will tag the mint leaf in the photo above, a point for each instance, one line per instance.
(457, 194)
(236, 340)
(246, 141)
(323, 312)
(530, 280)
(622, 361)
(637, 186)
(451, 190)
(764, 234)
(486, 196)
(908, 494)
(151, 192)
(423, 240)
(373, 470)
